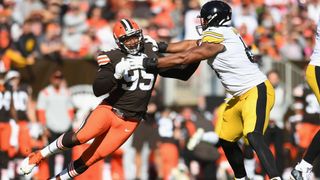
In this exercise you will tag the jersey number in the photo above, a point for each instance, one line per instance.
(5, 101)
(20, 100)
(134, 80)
(246, 48)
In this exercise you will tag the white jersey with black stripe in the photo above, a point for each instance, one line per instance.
(315, 57)
(237, 73)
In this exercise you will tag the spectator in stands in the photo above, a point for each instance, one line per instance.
(171, 135)
(202, 146)
(10, 57)
(191, 20)
(305, 122)
(148, 126)
(95, 20)
(246, 17)
(7, 113)
(24, 9)
(28, 46)
(275, 131)
(51, 44)
(313, 8)
(27, 43)
(178, 20)
(5, 41)
(55, 112)
(53, 13)
(20, 134)
(22, 102)
(292, 50)
(74, 27)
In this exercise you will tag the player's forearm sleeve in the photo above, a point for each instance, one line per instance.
(104, 81)
(183, 72)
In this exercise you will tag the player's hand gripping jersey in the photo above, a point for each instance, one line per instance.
(233, 66)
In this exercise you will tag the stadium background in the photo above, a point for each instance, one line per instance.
(66, 34)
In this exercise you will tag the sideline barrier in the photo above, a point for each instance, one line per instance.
(75, 72)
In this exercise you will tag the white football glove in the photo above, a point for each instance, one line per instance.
(121, 68)
(148, 39)
(136, 61)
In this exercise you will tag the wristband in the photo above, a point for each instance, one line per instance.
(150, 63)
(162, 46)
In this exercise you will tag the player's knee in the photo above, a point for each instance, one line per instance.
(255, 139)
(80, 166)
(70, 140)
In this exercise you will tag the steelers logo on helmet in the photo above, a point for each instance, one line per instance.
(214, 13)
(128, 36)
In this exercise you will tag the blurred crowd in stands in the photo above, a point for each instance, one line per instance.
(76, 29)
(182, 139)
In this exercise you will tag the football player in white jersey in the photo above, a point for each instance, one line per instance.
(303, 169)
(247, 113)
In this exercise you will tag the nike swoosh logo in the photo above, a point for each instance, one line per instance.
(127, 130)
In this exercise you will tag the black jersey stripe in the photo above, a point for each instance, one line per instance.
(317, 71)
(261, 107)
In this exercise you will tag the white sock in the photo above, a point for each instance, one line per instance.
(54, 147)
(249, 164)
(64, 175)
(244, 178)
(68, 173)
(276, 178)
(304, 166)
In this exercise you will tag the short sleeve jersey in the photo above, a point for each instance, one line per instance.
(133, 91)
(236, 72)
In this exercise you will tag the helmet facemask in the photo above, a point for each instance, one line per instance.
(203, 25)
(131, 42)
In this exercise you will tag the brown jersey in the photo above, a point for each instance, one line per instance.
(132, 93)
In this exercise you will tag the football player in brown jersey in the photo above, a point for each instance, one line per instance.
(115, 119)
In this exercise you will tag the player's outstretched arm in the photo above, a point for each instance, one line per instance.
(195, 54)
(177, 47)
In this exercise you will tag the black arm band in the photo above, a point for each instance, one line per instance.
(162, 46)
(150, 63)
